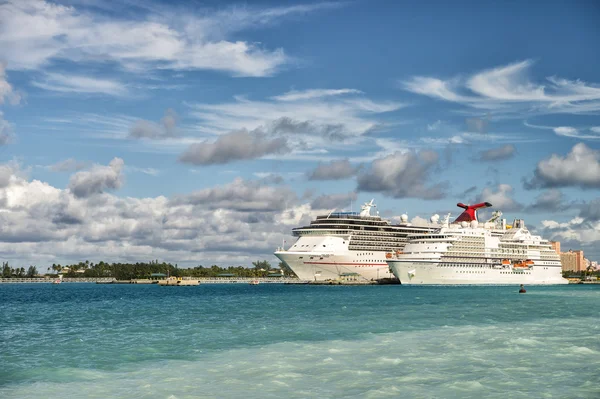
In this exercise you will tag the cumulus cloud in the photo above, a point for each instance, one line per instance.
(234, 146)
(501, 197)
(167, 127)
(508, 88)
(575, 233)
(6, 172)
(334, 170)
(240, 195)
(231, 224)
(579, 168)
(187, 40)
(402, 175)
(498, 154)
(334, 201)
(97, 180)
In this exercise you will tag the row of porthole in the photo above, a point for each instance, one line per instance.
(515, 273)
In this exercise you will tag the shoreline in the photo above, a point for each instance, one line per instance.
(220, 280)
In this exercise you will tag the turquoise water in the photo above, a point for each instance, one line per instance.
(297, 341)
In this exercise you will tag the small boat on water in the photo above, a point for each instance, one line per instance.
(254, 282)
(177, 282)
(58, 280)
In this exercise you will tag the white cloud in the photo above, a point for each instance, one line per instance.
(548, 201)
(235, 223)
(471, 138)
(6, 90)
(189, 39)
(509, 88)
(334, 170)
(318, 123)
(500, 198)
(498, 154)
(402, 175)
(434, 126)
(575, 231)
(143, 129)
(67, 165)
(146, 171)
(551, 224)
(569, 131)
(579, 168)
(313, 93)
(5, 130)
(456, 139)
(80, 84)
(565, 131)
(97, 180)
(249, 114)
(331, 202)
(234, 146)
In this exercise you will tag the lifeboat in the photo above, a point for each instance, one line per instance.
(524, 264)
(388, 255)
(398, 252)
(505, 262)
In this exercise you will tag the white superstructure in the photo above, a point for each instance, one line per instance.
(347, 245)
(472, 253)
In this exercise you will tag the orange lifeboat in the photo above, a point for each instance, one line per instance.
(505, 262)
(524, 264)
(388, 255)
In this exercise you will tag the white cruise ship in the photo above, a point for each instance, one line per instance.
(466, 252)
(347, 245)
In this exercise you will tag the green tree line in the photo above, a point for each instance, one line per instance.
(18, 272)
(141, 270)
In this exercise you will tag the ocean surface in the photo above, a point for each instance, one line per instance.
(298, 341)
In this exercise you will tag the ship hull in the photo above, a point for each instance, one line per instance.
(435, 273)
(324, 267)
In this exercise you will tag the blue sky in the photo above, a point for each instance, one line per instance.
(202, 132)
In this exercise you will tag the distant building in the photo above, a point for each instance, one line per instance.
(555, 246)
(572, 261)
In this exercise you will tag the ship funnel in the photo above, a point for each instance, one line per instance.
(470, 211)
